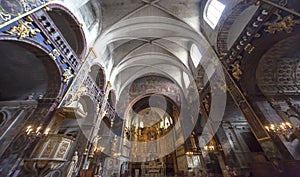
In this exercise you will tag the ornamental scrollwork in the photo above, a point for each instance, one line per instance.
(54, 54)
(236, 70)
(24, 29)
(281, 23)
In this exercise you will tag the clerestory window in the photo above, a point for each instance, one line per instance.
(213, 12)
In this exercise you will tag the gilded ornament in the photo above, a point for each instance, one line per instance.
(25, 5)
(67, 75)
(104, 113)
(47, 41)
(257, 35)
(24, 29)
(54, 54)
(236, 70)
(249, 48)
(47, 9)
(281, 24)
(5, 17)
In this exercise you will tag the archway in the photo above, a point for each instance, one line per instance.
(27, 72)
(150, 128)
(30, 84)
(97, 74)
(70, 28)
(112, 98)
(272, 91)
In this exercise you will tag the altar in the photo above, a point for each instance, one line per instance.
(153, 169)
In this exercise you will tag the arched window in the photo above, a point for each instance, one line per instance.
(212, 12)
(195, 55)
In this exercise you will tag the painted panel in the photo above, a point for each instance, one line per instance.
(11, 10)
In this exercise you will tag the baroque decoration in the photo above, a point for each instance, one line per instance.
(236, 71)
(24, 29)
(281, 23)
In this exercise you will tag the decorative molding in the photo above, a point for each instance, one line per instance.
(24, 29)
(54, 54)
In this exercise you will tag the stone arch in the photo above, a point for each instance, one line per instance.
(112, 98)
(28, 72)
(98, 75)
(70, 28)
(154, 100)
(257, 68)
(278, 71)
(92, 11)
(238, 16)
(145, 116)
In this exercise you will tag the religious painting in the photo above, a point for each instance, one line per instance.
(13, 7)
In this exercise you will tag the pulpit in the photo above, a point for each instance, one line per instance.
(49, 154)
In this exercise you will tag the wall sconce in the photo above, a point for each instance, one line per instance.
(31, 131)
(213, 148)
(209, 148)
(189, 153)
(284, 128)
(117, 155)
(279, 128)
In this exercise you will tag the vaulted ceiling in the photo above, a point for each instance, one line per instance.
(153, 38)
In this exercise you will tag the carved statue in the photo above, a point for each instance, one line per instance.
(24, 29)
(67, 75)
(236, 70)
(281, 23)
(73, 164)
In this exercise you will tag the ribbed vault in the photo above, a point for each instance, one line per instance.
(146, 38)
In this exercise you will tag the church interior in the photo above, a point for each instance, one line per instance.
(149, 88)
